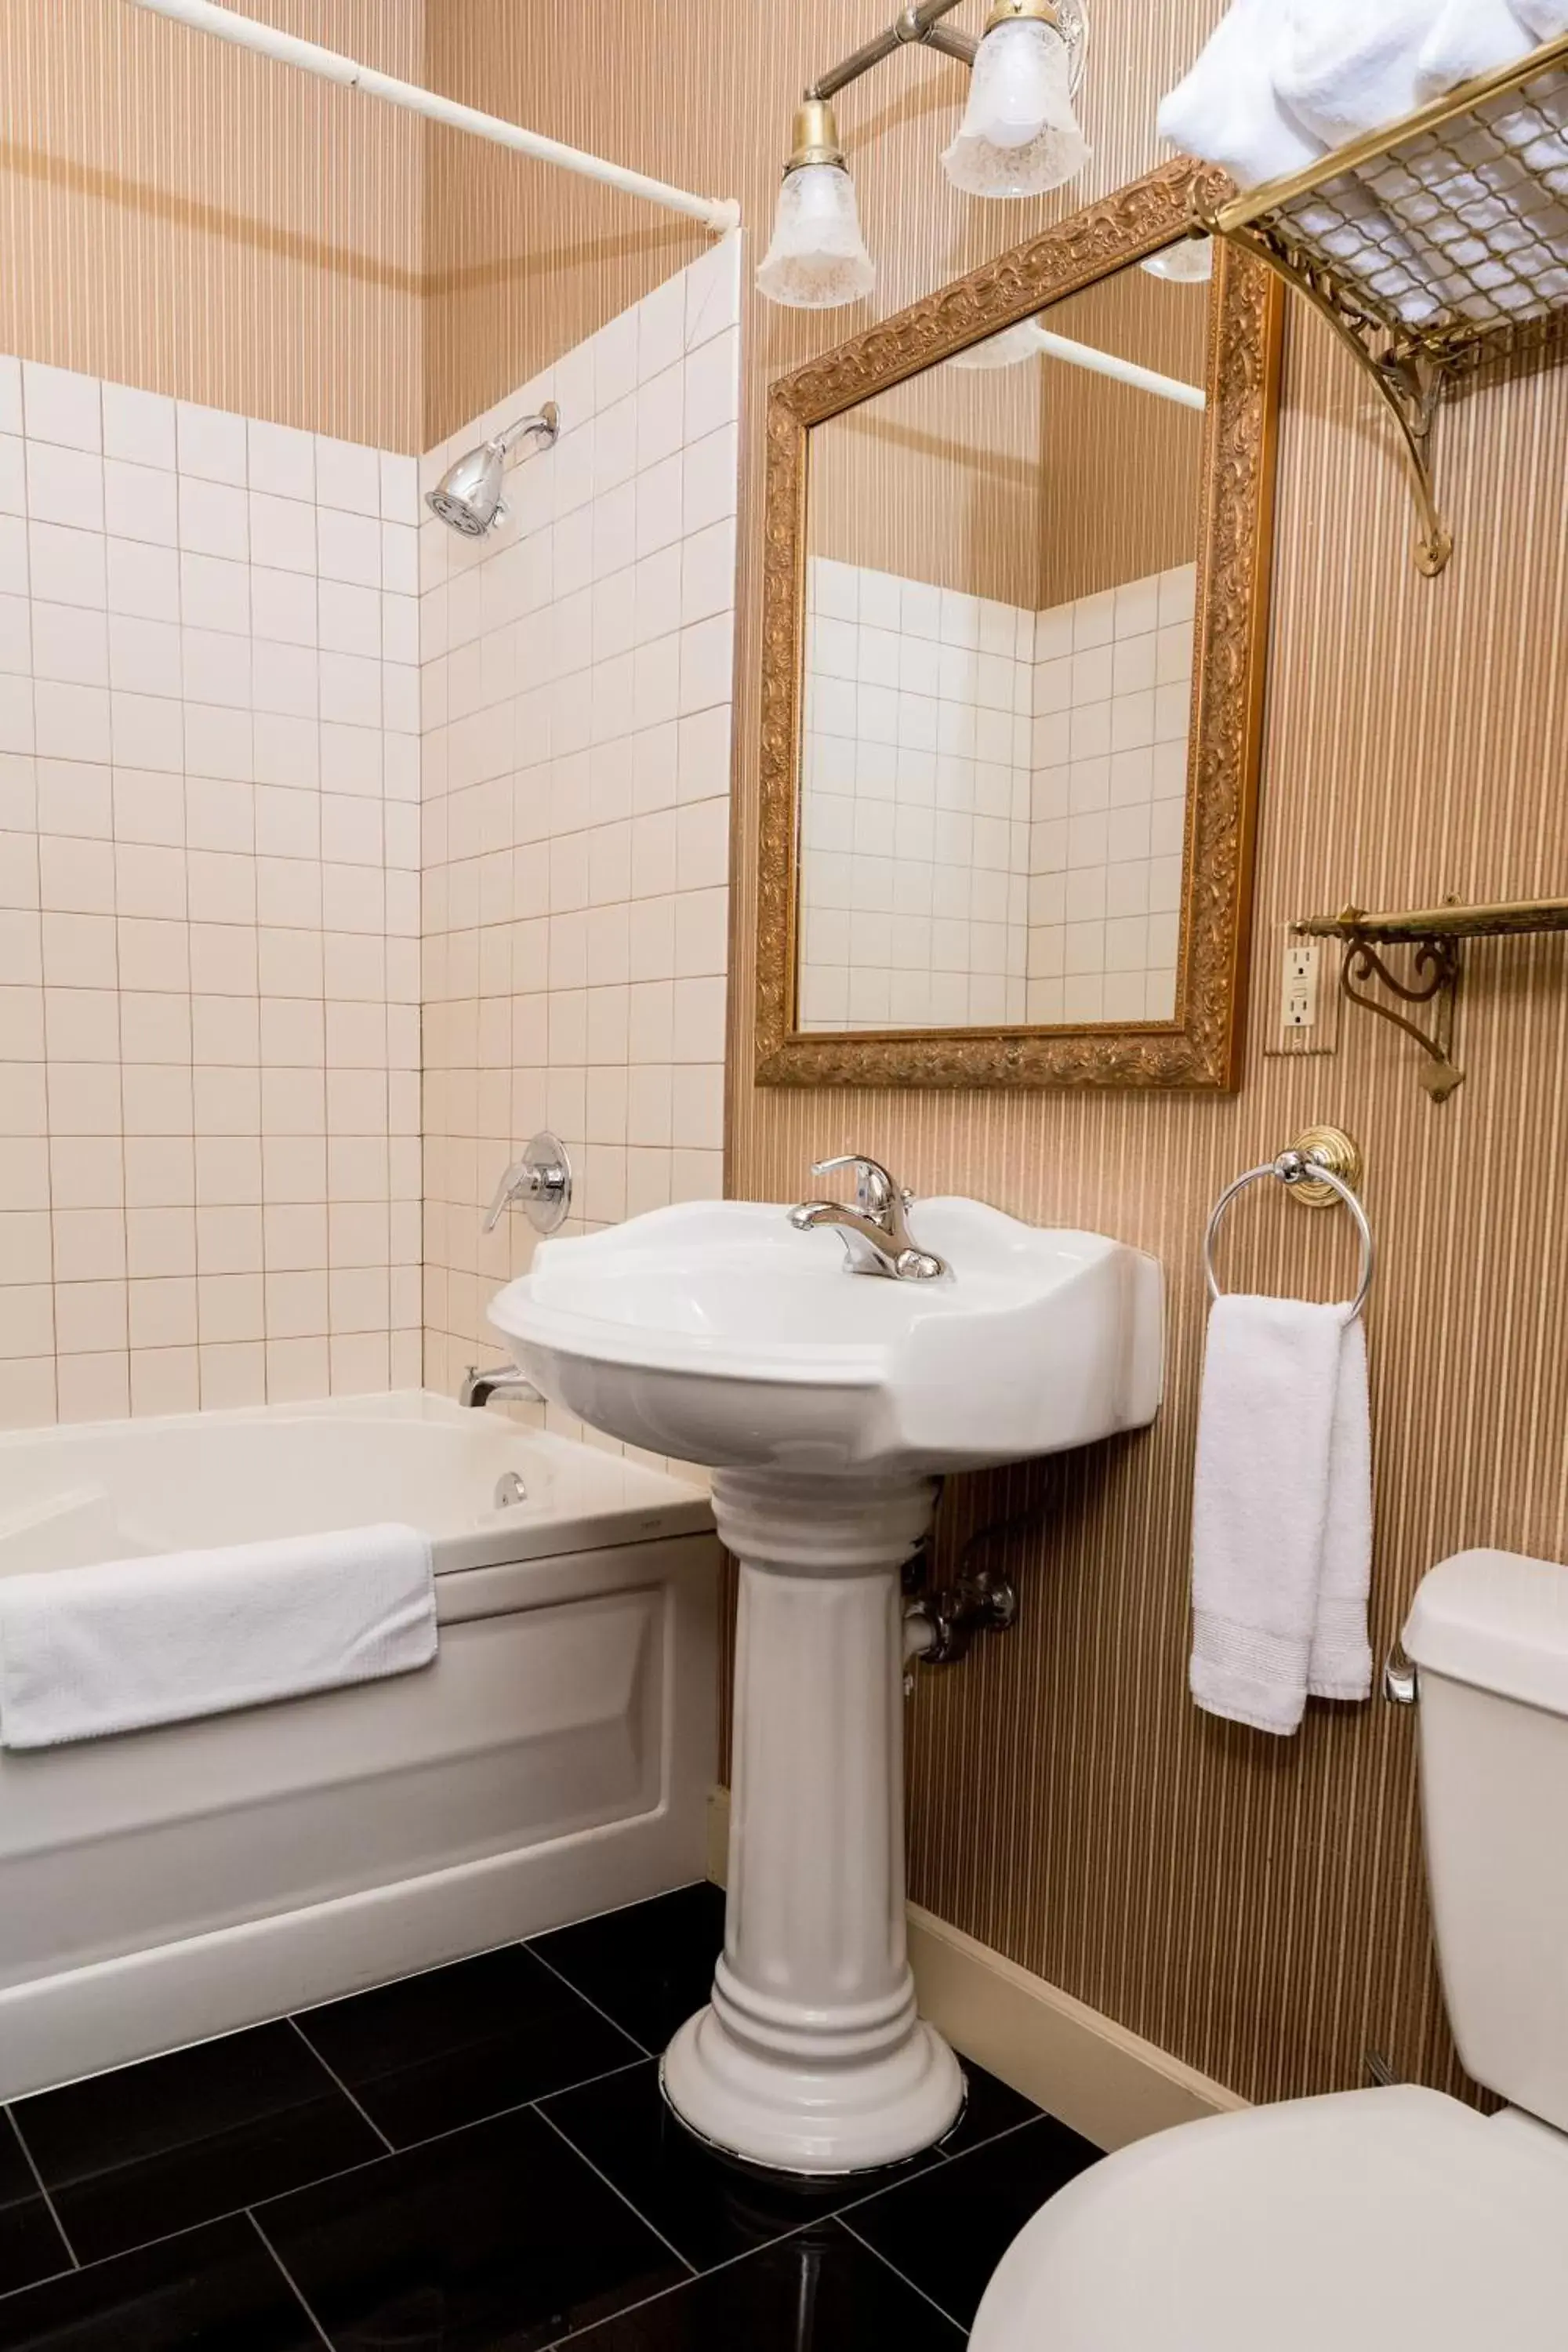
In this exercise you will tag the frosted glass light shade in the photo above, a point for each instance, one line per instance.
(817, 258)
(1007, 349)
(1019, 135)
(1191, 263)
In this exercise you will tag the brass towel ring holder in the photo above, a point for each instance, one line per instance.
(1322, 1166)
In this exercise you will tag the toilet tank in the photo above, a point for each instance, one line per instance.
(1488, 1632)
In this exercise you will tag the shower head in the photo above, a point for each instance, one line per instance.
(468, 495)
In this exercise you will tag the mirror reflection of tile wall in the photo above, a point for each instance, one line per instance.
(993, 803)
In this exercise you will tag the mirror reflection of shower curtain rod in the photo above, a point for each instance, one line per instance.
(717, 214)
(1099, 362)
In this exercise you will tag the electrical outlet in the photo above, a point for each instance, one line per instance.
(1308, 1019)
(1299, 1001)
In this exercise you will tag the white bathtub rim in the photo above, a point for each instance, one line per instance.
(663, 1506)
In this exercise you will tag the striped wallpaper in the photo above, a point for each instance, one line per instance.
(182, 216)
(1256, 1907)
(1123, 470)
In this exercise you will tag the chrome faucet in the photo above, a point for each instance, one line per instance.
(876, 1233)
(502, 1380)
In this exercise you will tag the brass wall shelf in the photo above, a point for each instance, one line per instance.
(1433, 248)
(1434, 934)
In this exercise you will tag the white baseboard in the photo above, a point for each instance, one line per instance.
(1079, 2065)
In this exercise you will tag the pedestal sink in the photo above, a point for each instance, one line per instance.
(828, 1402)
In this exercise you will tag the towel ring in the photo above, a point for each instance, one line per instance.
(1298, 1166)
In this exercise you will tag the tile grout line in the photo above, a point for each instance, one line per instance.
(690, 2268)
(562, 1979)
(294, 2287)
(319, 2181)
(698, 2278)
(898, 2274)
(335, 2076)
(43, 2189)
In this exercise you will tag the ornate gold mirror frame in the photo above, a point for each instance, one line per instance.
(1200, 1046)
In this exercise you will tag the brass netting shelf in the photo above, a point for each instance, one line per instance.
(1434, 248)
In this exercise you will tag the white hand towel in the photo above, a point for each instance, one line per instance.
(88, 1651)
(1340, 1663)
(1282, 1512)
(1346, 67)
(1228, 110)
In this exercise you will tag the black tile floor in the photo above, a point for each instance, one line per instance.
(477, 2159)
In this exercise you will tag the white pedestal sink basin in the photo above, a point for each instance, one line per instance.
(828, 1403)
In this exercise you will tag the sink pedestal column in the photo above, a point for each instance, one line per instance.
(810, 2055)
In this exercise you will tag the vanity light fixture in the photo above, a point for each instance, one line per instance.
(1020, 137)
(817, 258)
(1188, 263)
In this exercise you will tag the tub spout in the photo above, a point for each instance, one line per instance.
(502, 1380)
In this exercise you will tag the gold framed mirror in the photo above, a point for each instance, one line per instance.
(1015, 606)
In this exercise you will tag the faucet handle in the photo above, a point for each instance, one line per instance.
(874, 1190)
(541, 1180)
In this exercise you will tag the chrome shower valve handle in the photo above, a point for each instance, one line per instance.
(540, 1179)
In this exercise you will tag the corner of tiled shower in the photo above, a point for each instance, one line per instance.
(995, 800)
(233, 660)
(577, 696)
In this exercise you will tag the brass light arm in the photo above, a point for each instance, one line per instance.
(949, 44)
(920, 25)
(921, 28)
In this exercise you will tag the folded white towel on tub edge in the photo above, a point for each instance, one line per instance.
(126, 1644)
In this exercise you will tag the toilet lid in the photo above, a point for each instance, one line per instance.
(1362, 2223)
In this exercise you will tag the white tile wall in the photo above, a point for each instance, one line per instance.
(577, 685)
(993, 803)
(915, 803)
(209, 906)
(1112, 715)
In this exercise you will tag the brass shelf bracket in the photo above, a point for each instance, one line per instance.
(1410, 385)
(1433, 935)
(1436, 966)
(1479, 284)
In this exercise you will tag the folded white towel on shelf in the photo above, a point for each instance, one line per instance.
(1347, 66)
(1228, 110)
(1469, 37)
(1547, 19)
(85, 1652)
(1281, 1513)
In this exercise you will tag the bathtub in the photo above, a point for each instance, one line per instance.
(556, 1759)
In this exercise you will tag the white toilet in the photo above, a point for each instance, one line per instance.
(1373, 2220)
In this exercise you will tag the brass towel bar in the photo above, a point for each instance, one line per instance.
(1435, 934)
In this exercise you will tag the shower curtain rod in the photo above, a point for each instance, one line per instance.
(717, 214)
(1120, 370)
